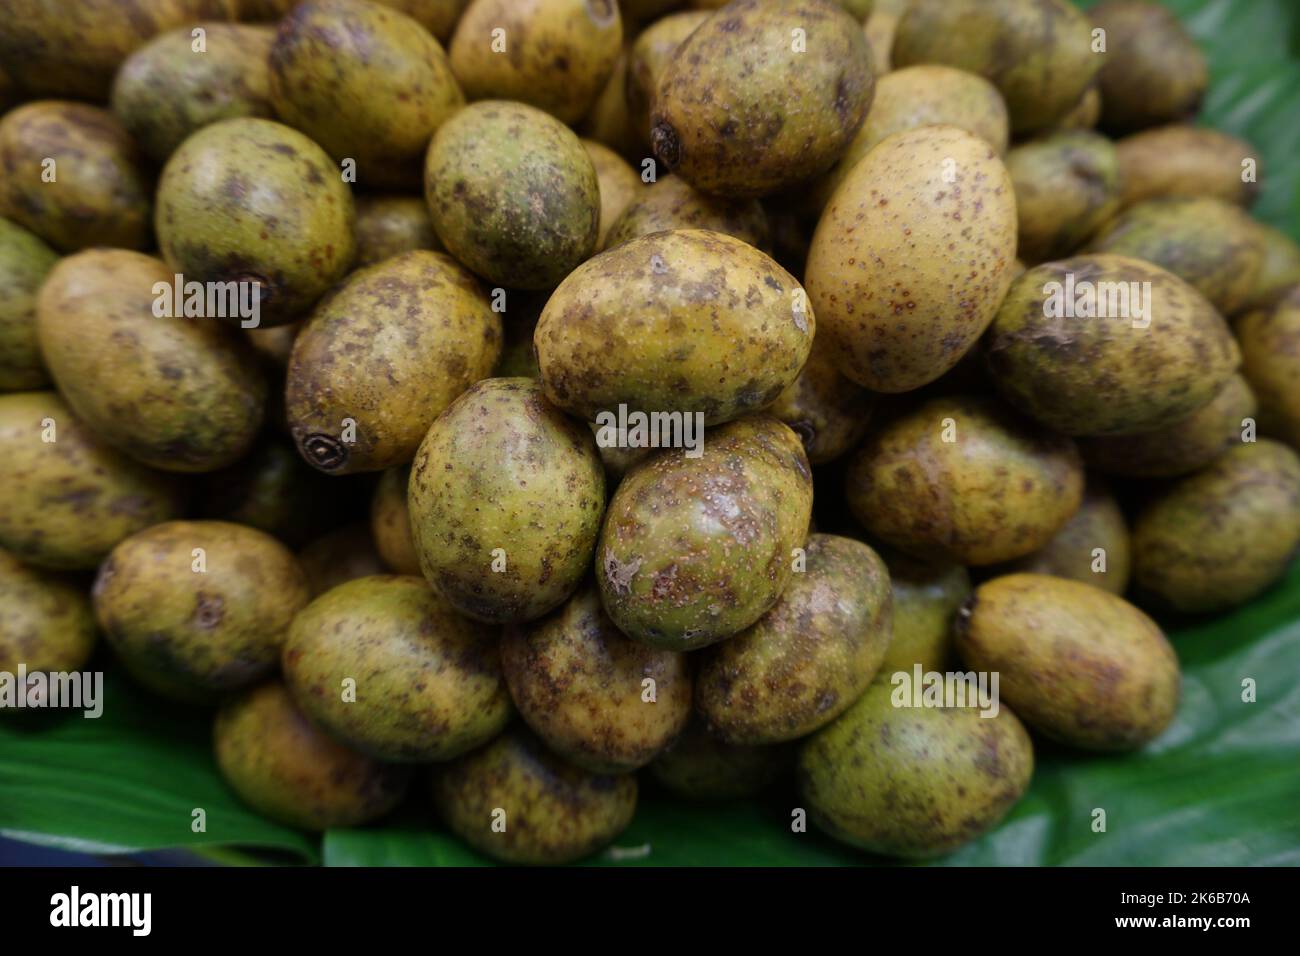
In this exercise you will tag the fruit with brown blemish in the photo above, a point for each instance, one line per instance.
(1103, 344)
(805, 661)
(594, 696)
(517, 802)
(73, 176)
(49, 625)
(829, 412)
(1208, 243)
(339, 556)
(1067, 187)
(24, 262)
(74, 47)
(506, 497)
(250, 200)
(1078, 664)
(1092, 547)
(929, 94)
(696, 549)
(1182, 447)
(926, 598)
(555, 55)
(719, 329)
(387, 226)
(286, 768)
(366, 82)
(1270, 360)
(699, 766)
(198, 608)
(166, 89)
(651, 52)
(513, 194)
(762, 96)
(1152, 70)
(426, 681)
(180, 394)
(1038, 53)
(1219, 537)
(913, 782)
(964, 479)
(390, 521)
(607, 121)
(619, 184)
(69, 498)
(1190, 162)
(672, 203)
(382, 356)
(912, 256)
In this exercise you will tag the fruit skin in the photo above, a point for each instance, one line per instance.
(607, 121)
(698, 766)
(578, 682)
(69, 500)
(558, 54)
(24, 262)
(339, 556)
(805, 661)
(48, 624)
(720, 329)
(285, 768)
(1098, 523)
(1067, 186)
(389, 349)
(1038, 53)
(501, 442)
(906, 270)
(1186, 161)
(829, 412)
(166, 90)
(694, 550)
(619, 184)
(252, 200)
(387, 226)
(554, 811)
(74, 47)
(390, 521)
(913, 782)
(672, 203)
(1270, 351)
(1185, 446)
(365, 82)
(929, 94)
(1208, 243)
(1085, 114)
(998, 489)
(100, 194)
(1152, 71)
(1219, 537)
(513, 194)
(1078, 664)
(181, 394)
(649, 56)
(926, 598)
(428, 683)
(1158, 367)
(197, 634)
(740, 113)
(1279, 270)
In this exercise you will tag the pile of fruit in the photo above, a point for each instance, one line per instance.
(441, 390)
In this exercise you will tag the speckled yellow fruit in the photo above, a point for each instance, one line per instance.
(1080, 665)
(286, 768)
(698, 766)
(926, 598)
(913, 782)
(594, 696)
(912, 257)
(964, 479)
(1270, 353)
(828, 411)
(48, 623)
(68, 498)
(1188, 161)
(1092, 547)
(619, 184)
(523, 555)
(1067, 186)
(24, 262)
(649, 55)
(339, 556)
(554, 812)
(427, 682)
(672, 203)
(390, 521)
(387, 226)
